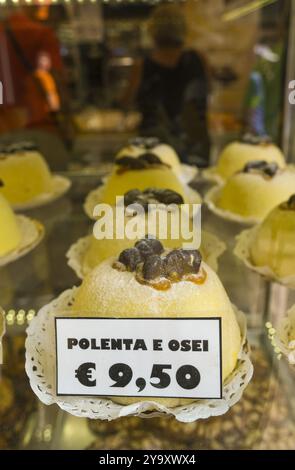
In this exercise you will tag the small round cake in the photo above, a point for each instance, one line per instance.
(24, 172)
(256, 190)
(237, 154)
(10, 235)
(273, 244)
(140, 145)
(143, 172)
(149, 281)
(101, 249)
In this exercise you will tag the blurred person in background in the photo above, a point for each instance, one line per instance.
(170, 87)
(30, 66)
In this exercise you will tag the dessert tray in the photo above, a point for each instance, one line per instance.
(41, 369)
(60, 185)
(242, 251)
(211, 198)
(32, 233)
(94, 197)
(212, 248)
(283, 337)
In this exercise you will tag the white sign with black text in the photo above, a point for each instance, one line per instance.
(139, 357)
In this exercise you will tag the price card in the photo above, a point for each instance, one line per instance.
(139, 357)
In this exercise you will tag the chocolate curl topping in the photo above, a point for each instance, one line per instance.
(144, 161)
(152, 196)
(148, 256)
(269, 169)
(10, 149)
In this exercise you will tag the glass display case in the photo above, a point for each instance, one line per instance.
(263, 419)
(99, 62)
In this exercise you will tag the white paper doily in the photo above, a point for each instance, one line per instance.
(242, 251)
(60, 185)
(283, 338)
(32, 233)
(212, 247)
(94, 197)
(40, 368)
(211, 198)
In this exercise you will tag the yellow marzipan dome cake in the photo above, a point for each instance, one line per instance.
(10, 235)
(100, 249)
(256, 190)
(237, 154)
(147, 281)
(24, 172)
(140, 145)
(143, 172)
(273, 244)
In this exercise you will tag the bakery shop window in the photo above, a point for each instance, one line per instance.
(131, 111)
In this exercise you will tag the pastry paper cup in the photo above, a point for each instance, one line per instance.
(211, 198)
(212, 248)
(59, 187)
(41, 370)
(94, 198)
(242, 251)
(32, 233)
(283, 337)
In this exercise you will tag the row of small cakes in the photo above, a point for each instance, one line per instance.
(144, 163)
(258, 187)
(248, 195)
(150, 278)
(147, 277)
(145, 172)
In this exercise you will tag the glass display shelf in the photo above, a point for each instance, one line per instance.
(263, 419)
